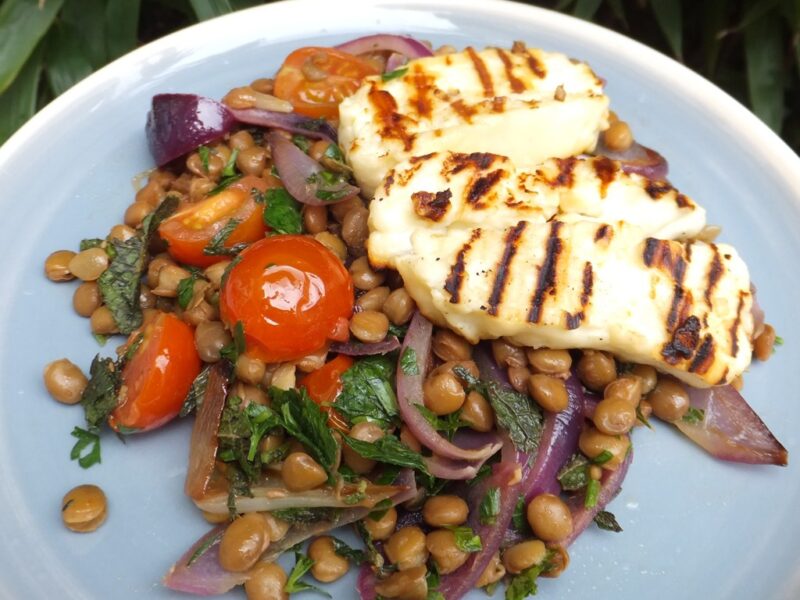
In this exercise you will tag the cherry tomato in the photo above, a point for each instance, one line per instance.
(158, 376)
(291, 294)
(325, 384)
(190, 230)
(315, 80)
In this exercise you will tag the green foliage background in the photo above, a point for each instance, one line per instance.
(749, 48)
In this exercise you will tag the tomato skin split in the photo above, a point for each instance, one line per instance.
(291, 295)
(158, 376)
(315, 80)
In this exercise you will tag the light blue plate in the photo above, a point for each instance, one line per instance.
(694, 527)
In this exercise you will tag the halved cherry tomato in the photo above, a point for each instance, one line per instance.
(325, 384)
(158, 376)
(315, 80)
(190, 230)
(291, 294)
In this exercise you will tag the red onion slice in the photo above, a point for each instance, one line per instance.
(395, 61)
(301, 174)
(611, 485)
(730, 429)
(311, 128)
(461, 470)
(637, 159)
(203, 445)
(359, 349)
(401, 44)
(558, 442)
(409, 394)
(179, 123)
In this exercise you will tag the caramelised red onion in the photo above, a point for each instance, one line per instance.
(292, 122)
(636, 159)
(203, 445)
(400, 44)
(558, 442)
(179, 123)
(303, 177)
(409, 394)
(358, 349)
(198, 571)
(730, 429)
(611, 485)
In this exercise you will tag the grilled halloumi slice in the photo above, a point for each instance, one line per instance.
(444, 190)
(684, 308)
(529, 104)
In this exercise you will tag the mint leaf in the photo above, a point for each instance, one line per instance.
(489, 507)
(408, 362)
(282, 212)
(390, 450)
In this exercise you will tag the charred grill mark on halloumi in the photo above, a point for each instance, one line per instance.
(639, 298)
(473, 101)
(503, 267)
(489, 190)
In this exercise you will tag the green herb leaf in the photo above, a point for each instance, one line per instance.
(380, 509)
(602, 458)
(448, 424)
(260, 420)
(230, 167)
(640, 416)
(302, 565)
(520, 518)
(237, 347)
(100, 396)
(307, 515)
(91, 243)
(388, 449)
(408, 362)
(186, 289)
(301, 142)
(224, 183)
(333, 160)
(574, 475)
(205, 155)
(607, 521)
(489, 507)
(592, 493)
(196, 392)
(216, 247)
(524, 585)
(482, 474)
(306, 421)
(398, 331)
(282, 212)
(203, 548)
(516, 414)
(778, 339)
(276, 454)
(694, 416)
(100, 339)
(394, 74)
(86, 439)
(345, 551)
(367, 391)
(330, 186)
(466, 539)
(120, 283)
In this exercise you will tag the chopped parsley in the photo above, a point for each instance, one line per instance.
(409, 364)
(367, 391)
(394, 74)
(694, 416)
(607, 521)
(466, 539)
(302, 565)
(301, 142)
(87, 440)
(281, 212)
(216, 246)
(390, 450)
(592, 493)
(519, 520)
(523, 585)
(489, 507)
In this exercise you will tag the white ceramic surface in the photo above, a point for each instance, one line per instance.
(694, 528)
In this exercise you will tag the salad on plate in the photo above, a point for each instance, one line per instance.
(428, 294)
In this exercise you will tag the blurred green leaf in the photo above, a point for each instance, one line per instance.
(65, 59)
(208, 9)
(23, 23)
(619, 11)
(88, 16)
(586, 9)
(18, 102)
(763, 45)
(715, 14)
(756, 11)
(669, 16)
(122, 25)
